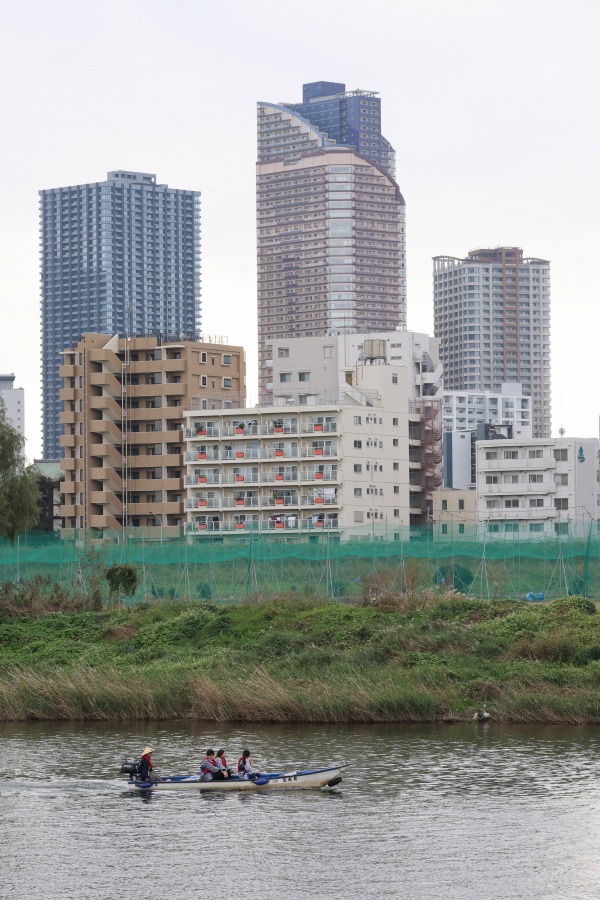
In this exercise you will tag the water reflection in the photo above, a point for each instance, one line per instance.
(425, 812)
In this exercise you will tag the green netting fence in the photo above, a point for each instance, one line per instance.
(328, 564)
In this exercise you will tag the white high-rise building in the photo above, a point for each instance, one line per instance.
(465, 410)
(492, 316)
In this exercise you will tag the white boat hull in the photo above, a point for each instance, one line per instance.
(309, 778)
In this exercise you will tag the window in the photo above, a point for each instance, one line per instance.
(444, 529)
(396, 467)
(359, 515)
(561, 503)
(561, 527)
(536, 526)
(328, 352)
(444, 505)
(492, 504)
(511, 527)
(203, 381)
(394, 421)
(536, 478)
(396, 513)
(511, 503)
(283, 352)
(394, 442)
(394, 379)
(493, 527)
(227, 359)
(491, 479)
(536, 454)
(358, 492)
(561, 479)
(357, 445)
(461, 504)
(561, 455)
(358, 420)
(396, 488)
(285, 376)
(227, 382)
(461, 529)
(358, 468)
(536, 502)
(491, 454)
(203, 357)
(511, 454)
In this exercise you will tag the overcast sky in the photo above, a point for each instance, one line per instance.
(492, 108)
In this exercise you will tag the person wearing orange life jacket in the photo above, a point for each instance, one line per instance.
(221, 761)
(210, 770)
(244, 765)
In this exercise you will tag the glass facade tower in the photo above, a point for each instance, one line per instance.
(120, 256)
(330, 221)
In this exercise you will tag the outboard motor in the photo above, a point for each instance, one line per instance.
(129, 767)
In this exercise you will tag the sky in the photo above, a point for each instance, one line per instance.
(491, 106)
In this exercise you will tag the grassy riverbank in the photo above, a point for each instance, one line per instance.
(423, 658)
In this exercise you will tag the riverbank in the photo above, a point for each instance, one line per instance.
(424, 658)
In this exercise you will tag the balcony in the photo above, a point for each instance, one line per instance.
(203, 503)
(277, 429)
(320, 428)
(274, 500)
(535, 514)
(67, 440)
(289, 451)
(67, 417)
(319, 500)
(248, 500)
(202, 479)
(202, 431)
(319, 451)
(240, 430)
(546, 487)
(67, 394)
(108, 500)
(241, 453)
(240, 478)
(320, 473)
(547, 462)
(196, 455)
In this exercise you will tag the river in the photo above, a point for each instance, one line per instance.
(460, 811)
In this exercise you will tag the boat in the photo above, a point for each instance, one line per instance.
(326, 777)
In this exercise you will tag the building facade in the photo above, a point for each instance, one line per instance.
(13, 400)
(123, 421)
(492, 316)
(454, 512)
(330, 224)
(120, 256)
(465, 410)
(341, 465)
(538, 486)
(323, 366)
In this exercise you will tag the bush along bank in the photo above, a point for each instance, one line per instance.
(389, 658)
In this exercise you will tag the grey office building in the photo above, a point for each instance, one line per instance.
(120, 256)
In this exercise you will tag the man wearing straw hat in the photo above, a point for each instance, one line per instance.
(145, 764)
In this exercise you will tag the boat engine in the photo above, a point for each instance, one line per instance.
(129, 767)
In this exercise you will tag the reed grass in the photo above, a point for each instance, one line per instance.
(424, 658)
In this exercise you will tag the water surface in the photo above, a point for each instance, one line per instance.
(425, 812)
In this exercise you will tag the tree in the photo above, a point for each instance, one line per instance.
(19, 491)
(122, 580)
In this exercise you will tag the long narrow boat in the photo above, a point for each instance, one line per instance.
(305, 778)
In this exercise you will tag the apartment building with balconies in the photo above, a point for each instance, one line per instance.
(538, 486)
(124, 402)
(341, 465)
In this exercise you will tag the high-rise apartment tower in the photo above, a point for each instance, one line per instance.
(121, 256)
(492, 316)
(331, 220)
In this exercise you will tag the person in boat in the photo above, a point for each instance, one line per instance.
(145, 764)
(210, 770)
(244, 765)
(221, 761)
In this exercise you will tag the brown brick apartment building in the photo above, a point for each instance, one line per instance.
(122, 439)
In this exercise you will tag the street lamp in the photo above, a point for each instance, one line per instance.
(156, 516)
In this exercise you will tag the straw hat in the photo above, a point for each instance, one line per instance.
(147, 750)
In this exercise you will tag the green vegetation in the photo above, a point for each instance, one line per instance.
(387, 657)
(19, 491)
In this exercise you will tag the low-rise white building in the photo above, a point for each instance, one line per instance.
(537, 486)
(14, 402)
(307, 465)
